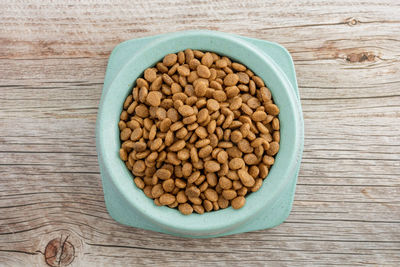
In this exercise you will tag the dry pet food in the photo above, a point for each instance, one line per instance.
(199, 132)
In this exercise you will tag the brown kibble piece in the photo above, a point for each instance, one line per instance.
(231, 79)
(121, 125)
(258, 142)
(254, 171)
(136, 134)
(263, 170)
(147, 190)
(163, 174)
(257, 185)
(140, 82)
(222, 202)
(192, 192)
(229, 194)
(142, 97)
(243, 77)
(139, 182)
(238, 202)
(125, 134)
(194, 63)
(139, 146)
(269, 160)
(123, 154)
(142, 111)
(173, 205)
(193, 177)
(198, 53)
(259, 115)
(195, 200)
(212, 105)
(170, 60)
(250, 159)
(157, 191)
(225, 183)
(189, 55)
(275, 124)
(180, 183)
(236, 163)
(238, 67)
(168, 185)
(265, 94)
(200, 89)
(212, 166)
(236, 136)
(211, 179)
(150, 75)
(181, 197)
(276, 136)
(184, 71)
(244, 146)
(258, 81)
(157, 202)
(156, 85)
(201, 132)
(207, 59)
(128, 101)
(156, 144)
(219, 95)
(161, 67)
(222, 157)
(246, 178)
(187, 169)
(178, 145)
(208, 206)
(221, 63)
(185, 209)
(236, 103)
(253, 103)
(181, 57)
(272, 109)
(167, 199)
(232, 91)
(198, 209)
(205, 151)
(186, 110)
(211, 194)
(139, 166)
(203, 71)
(172, 114)
(273, 148)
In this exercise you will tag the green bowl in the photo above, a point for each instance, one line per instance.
(265, 208)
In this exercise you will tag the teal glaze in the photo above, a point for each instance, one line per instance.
(266, 208)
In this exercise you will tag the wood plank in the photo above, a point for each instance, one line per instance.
(53, 57)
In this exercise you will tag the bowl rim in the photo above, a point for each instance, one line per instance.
(171, 218)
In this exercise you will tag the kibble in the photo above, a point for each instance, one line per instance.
(238, 202)
(199, 132)
(236, 164)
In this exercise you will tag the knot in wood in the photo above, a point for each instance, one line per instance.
(360, 57)
(59, 252)
(351, 21)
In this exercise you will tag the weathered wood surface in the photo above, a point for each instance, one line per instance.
(53, 56)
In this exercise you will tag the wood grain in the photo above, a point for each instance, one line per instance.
(53, 56)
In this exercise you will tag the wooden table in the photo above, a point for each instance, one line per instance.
(53, 56)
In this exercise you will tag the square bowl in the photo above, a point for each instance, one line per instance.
(267, 207)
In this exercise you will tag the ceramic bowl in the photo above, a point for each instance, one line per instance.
(265, 208)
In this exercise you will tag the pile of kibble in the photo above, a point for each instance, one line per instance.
(199, 132)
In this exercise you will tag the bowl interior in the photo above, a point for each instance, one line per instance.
(238, 50)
